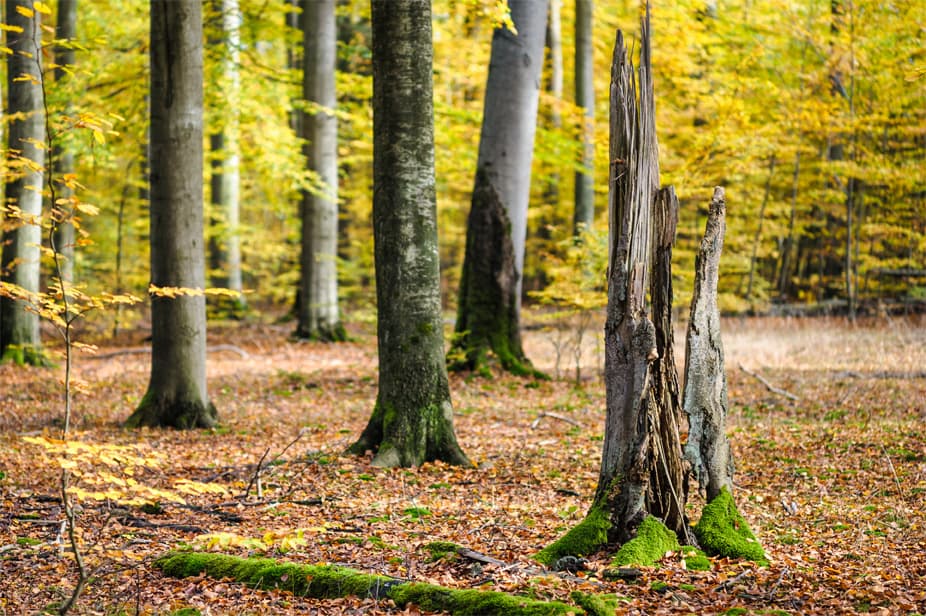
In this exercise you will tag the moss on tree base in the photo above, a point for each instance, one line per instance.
(722, 531)
(652, 542)
(586, 537)
(26, 355)
(158, 412)
(335, 333)
(329, 582)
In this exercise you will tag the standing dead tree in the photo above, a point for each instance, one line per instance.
(645, 466)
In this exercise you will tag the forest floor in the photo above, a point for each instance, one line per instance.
(833, 483)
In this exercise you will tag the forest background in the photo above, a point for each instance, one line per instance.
(811, 114)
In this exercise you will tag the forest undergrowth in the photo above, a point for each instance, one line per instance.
(833, 482)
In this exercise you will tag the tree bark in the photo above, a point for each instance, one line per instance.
(641, 468)
(705, 399)
(757, 238)
(318, 290)
(225, 239)
(19, 326)
(488, 316)
(176, 393)
(65, 30)
(412, 421)
(584, 213)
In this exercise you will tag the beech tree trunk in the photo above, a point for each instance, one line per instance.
(225, 239)
(318, 290)
(584, 213)
(65, 30)
(412, 421)
(19, 326)
(488, 317)
(176, 393)
(705, 401)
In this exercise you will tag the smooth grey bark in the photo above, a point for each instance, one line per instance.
(176, 393)
(63, 159)
(705, 397)
(584, 213)
(412, 421)
(488, 315)
(318, 288)
(225, 239)
(19, 326)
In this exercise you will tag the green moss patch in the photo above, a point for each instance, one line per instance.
(598, 605)
(440, 549)
(652, 542)
(722, 531)
(695, 559)
(328, 582)
(584, 538)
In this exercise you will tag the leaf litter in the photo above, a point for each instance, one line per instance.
(833, 484)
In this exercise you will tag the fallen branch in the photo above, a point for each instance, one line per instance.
(769, 386)
(885, 374)
(517, 567)
(144, 350)
(543, 414)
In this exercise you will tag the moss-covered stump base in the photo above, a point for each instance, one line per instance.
(335, 333)
(652, 542)
(722, 531)
(586, 537)
(329, 582)
(26, 356)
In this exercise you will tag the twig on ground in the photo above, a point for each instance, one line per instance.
(731, 581)
(517, 567)
(883, 374)
(769, 386)
(771, 593)
(543, 414)
(893, 472)
(255, 478)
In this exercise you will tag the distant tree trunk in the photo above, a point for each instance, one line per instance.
(488, 317)
(705, 398)
(176, 393)
(787, 249)
(555, 88)
(318, 290)
(65, 31)
(584, 213)
(758, 236)
(19, 326)
(412, 421)
(225, 240)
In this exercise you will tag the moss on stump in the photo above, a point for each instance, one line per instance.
(652, 542)
(722, 531)
(586, 537)
(329, 581)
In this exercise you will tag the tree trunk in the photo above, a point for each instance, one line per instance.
(554, 45)
(65, 30)
(176, 393)
(318, 290)
(705, 399)
(19, 326)
(412, 421)
(225, 239)
(584, 213)
(758, 235)
(490, 287)
(641, 469)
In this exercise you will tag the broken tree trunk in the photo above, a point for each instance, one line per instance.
(705, 400)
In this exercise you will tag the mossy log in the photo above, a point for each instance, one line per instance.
(330, 581)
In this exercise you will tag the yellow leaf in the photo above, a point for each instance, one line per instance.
(10, 28)
(41, 7)
(99, 137)
(25, 11)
